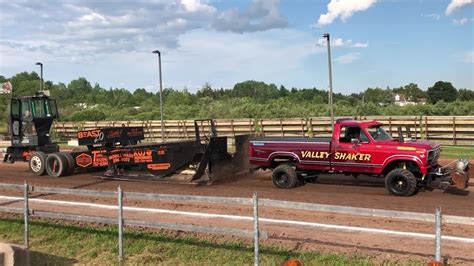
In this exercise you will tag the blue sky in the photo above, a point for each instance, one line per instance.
(374, 42)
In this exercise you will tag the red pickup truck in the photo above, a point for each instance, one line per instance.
(358, 147)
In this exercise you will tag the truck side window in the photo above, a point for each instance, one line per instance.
(363, 137)
(25, 109)
(348, 133)
(15, 109)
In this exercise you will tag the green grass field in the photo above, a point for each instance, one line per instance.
(457, 152)
(55, 244)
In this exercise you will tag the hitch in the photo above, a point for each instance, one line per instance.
(457, 176)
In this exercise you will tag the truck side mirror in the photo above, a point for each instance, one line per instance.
(355, 141)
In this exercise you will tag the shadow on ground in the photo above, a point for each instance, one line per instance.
(38, 258)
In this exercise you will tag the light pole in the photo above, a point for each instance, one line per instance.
(326, 35)
(41, 75)
(161, 96)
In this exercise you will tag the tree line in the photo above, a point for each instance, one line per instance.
(80, 101)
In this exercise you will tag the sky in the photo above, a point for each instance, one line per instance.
(374, 43)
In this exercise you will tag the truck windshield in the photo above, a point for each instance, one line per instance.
(43, 108)
(378, 133)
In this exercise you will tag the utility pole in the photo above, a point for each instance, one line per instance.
(161, 97)
(41, 75)
(331, 107)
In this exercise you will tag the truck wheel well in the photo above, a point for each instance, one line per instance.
(409, 165)
(281, 160)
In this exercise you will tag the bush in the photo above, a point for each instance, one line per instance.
(88, 115)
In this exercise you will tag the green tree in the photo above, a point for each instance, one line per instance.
(442, 90)
(25, 84)
(413, 92)
(88, 115)
(205, 91)
(466, 95)
(378, 96)
(255, 89)
(283, 92)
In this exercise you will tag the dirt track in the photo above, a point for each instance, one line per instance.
(337, 190)
(333, 189)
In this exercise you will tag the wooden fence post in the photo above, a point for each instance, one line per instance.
(303, 122)
(232, 128)
(390, 124)
(426, 128)
(420, 121)
(281, 127)
(416, 127)
(454, 131)
(186, 129)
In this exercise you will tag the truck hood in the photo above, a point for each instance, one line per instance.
(418, 144)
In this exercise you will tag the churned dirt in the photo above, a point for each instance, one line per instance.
(332, 189)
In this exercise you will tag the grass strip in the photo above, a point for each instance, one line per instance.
(457, 152)
(60, 244)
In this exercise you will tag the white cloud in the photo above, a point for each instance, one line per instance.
(261, 15)
(204, 55)
(197, 6)
(339, 42)
(93, 17)
(457, 4)
(88, 28)
(347, 58)
(462, 21)
(361, 45)
(235, 57)
(343, 9)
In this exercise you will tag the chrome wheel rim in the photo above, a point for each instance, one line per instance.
(35, 164)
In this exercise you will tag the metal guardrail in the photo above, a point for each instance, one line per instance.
(196, 228)
(358, 211)
(256, 233)
(121, 222)
(403, 215)
(130, 222)
(12, 210)
(11, 186)
(78, 192)
(187, 198)
(133, 195)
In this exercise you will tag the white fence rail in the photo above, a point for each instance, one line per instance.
(255, 202)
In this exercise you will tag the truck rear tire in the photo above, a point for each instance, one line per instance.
(37, 163)
(401, 182)
(56, 165)
(284, 176)
(71, 165)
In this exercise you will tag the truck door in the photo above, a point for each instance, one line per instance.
(15, 121)
(352, 151)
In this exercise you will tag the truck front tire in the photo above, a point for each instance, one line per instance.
(400, 182)
(37, 163)
(284, 176)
